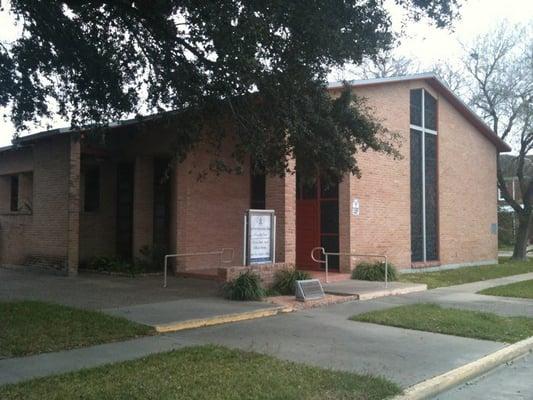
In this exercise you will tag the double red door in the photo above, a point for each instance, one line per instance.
(317, 222)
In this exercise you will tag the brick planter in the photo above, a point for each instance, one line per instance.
(265, 271)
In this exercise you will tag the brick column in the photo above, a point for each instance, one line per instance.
(346, 221)
(143, 203)
(281, 197)
(73, 250)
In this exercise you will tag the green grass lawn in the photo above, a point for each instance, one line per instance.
(458, 276)
(522, 289)
(30, 327)
(206, 372)
(433, 318)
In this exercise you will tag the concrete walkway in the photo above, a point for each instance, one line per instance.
(366, 290)
(323, 337)
(98, 291)
(184, 310)
(14, 370)
(465, 296)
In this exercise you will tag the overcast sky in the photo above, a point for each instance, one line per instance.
(426, 44)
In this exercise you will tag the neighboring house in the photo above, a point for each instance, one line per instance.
(507, 220)
(65, 198)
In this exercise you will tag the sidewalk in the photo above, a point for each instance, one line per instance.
(193, 313)
(323, 337)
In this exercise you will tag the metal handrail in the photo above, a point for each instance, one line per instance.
(204, 253)
(326, 254)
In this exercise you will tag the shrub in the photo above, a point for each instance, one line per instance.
(247, 286)
(367, 271)
(285, 280)
(113, 264)
(152, 259)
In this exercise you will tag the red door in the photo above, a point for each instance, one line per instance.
(317, 223)
(307, 232)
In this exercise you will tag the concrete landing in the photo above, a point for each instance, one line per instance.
(366, 290)
(193, 313)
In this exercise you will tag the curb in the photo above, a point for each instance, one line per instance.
(217, 320)
(454, 377)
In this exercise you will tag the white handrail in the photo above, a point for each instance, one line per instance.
(205, 253)
(326, 254)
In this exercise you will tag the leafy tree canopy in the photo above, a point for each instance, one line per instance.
(263, 64)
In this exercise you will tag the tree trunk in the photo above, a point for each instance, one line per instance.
(522, 238)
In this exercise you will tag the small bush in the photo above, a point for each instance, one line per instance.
(151, 259)
(247, 286)
(113, 264)
(366, 271)
(285, 280)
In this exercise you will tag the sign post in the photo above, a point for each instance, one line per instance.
(260, 231)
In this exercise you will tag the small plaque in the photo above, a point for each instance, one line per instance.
(355, 207)
(309, 289)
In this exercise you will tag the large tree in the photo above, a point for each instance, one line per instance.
(385, 64)
(499, 85)
(260, 64)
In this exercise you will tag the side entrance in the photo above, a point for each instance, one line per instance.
(317, 222)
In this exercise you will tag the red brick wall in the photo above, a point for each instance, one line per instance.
(467, 191)
(383, 225)
(41, 237)
(209, 211)
(281, 197)
(467, 187)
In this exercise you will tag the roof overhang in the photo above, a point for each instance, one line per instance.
(440, 87)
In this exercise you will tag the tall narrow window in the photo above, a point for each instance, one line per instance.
(258, 191)
(92, 189)
(14, 200)
(424, 217)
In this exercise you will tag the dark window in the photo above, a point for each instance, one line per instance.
(430, 111)
(431, 195)
(258, 195)
(424, 212)
(14, 200)
(161, 206)
(417, 218)
(92, 189)
(125, 177)
(416, 107)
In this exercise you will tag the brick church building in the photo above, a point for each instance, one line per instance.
(65, 198)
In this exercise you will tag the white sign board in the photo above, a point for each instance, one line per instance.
(260, 237)
(355, 207)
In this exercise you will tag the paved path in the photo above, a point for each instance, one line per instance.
(323, 337)
(186, 310)
(465, 297)
(18, 369)
(507, 382)
(98, 291)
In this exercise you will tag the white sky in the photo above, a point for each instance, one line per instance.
(426, 44)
